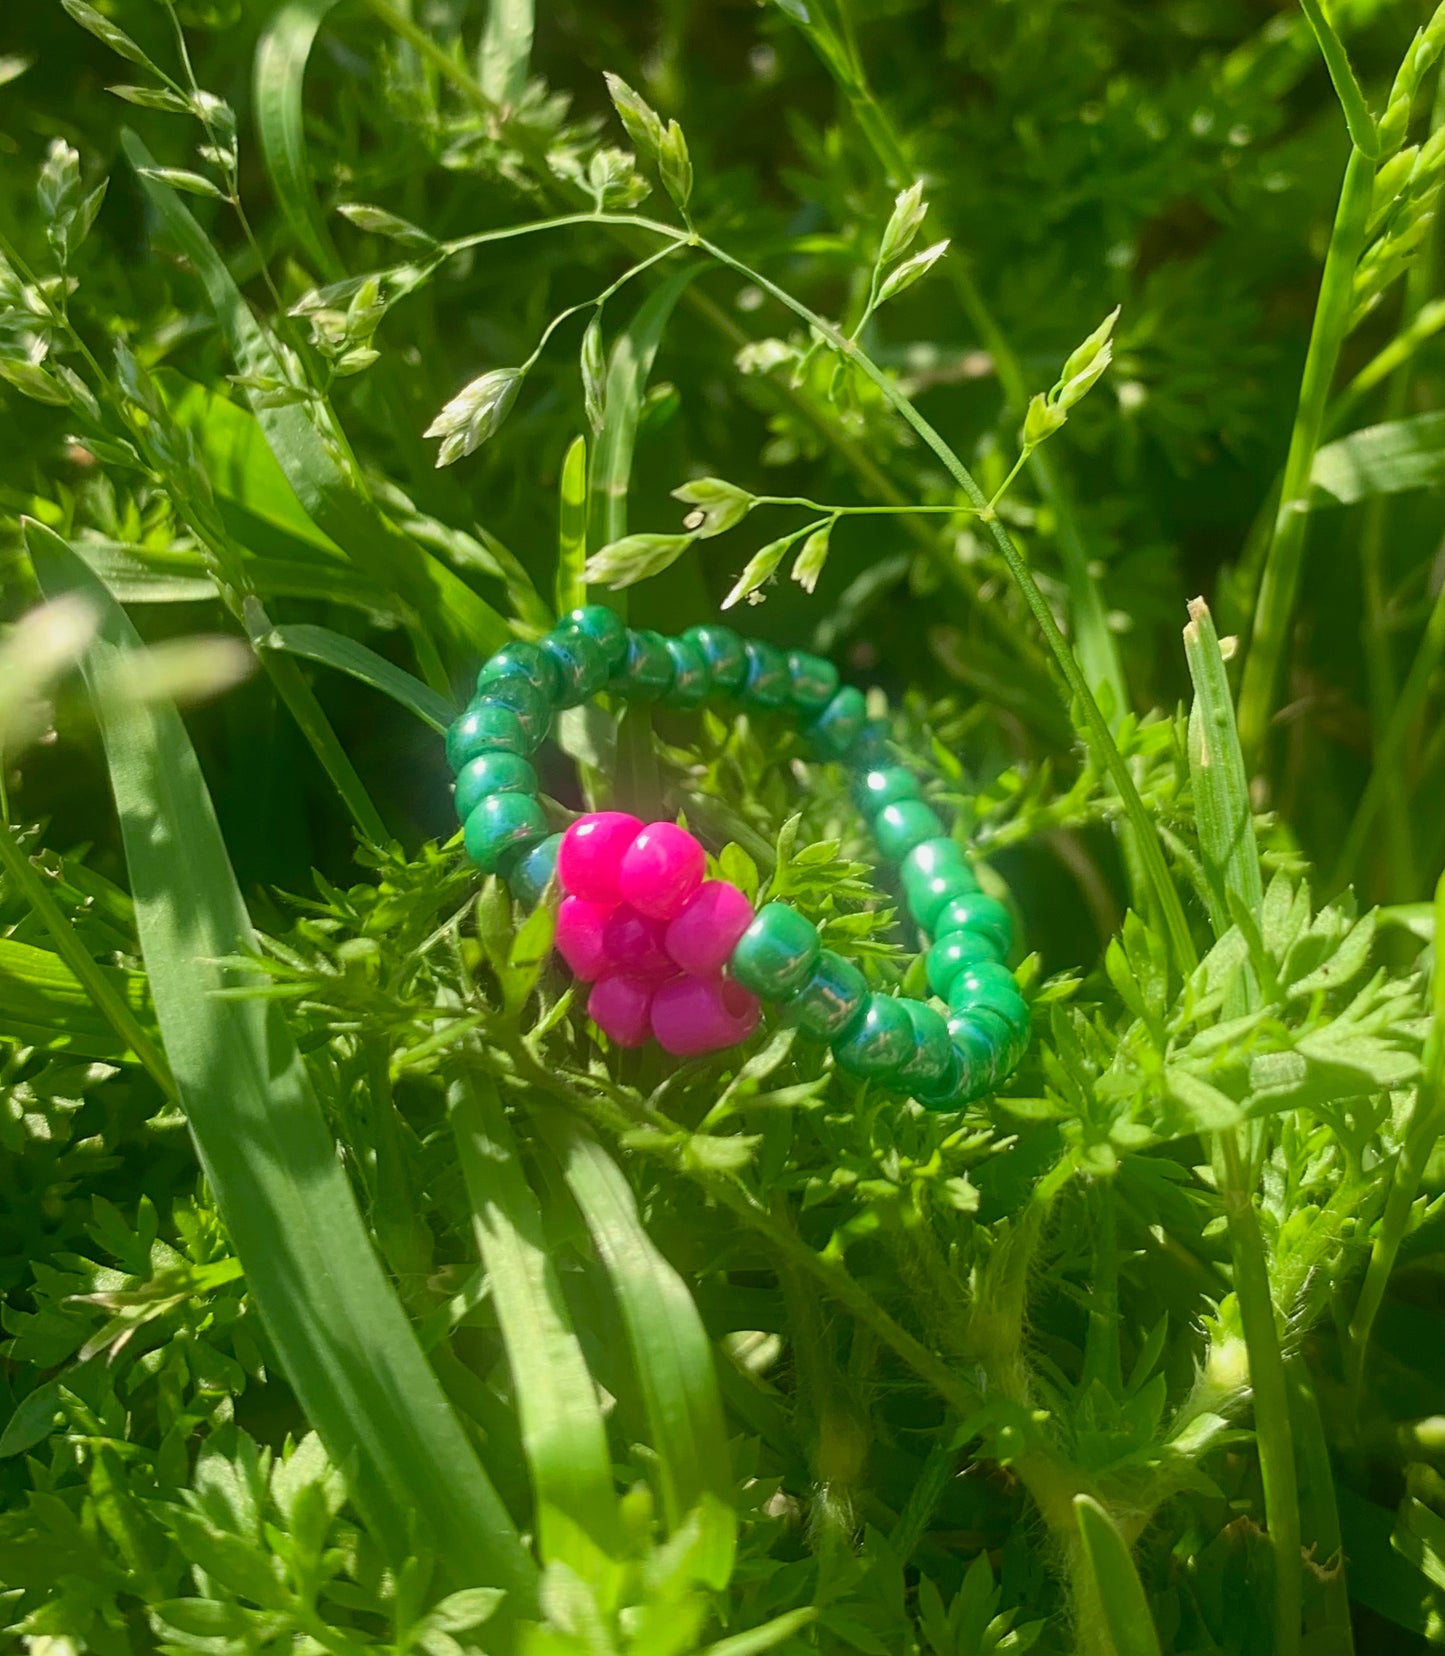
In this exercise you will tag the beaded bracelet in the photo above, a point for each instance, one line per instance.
(673, 955)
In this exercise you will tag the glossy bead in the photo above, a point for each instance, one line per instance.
(661, 870)
(889, 785)
(927, 896)
(776, 953)
(693, 1015)
(898, 828)
(691, 680)
(870, 748)
(954, 953)
(579, 936)
(605, 627)
(877, 1044)
(975, 912)
(632, 944)
(723, 652)
(621, 1008)
(520, 660)
(987, 986)
(838, 726)
(705, 933)
(930, 856)
(525, 700)
(813, 681)
(932, 1061)
(579, 663)
(501, 823)
(534, 871)
(485, 729)
(491, 773)
(591, 854)
(978, 1053)
(1004, 1045)
(646, 673)
(830, 999)
(947, 1093)
(766, 684)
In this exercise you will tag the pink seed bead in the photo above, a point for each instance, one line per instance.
(702, 938)
(692, 1015)
(619, 1006)
(632, 944)
(579, 937)
(661, 869)
(590, 852)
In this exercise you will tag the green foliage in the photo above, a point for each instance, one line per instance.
(356, 1296)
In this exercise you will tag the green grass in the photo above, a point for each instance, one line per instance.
(354, 1296)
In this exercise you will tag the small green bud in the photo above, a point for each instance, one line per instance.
(594, 374)
(1042, 420)
(760, 568)
(475, 413)
(908, 214)
(808, 565)
(675, 166)
(622, 563)
(905, 275)
(641, 120)
(720, 505)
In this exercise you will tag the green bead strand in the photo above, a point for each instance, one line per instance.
(521, 660)
(722, 650)
(605, 628)
(533, 871)
(899, 828)
(691, 680)
(839, 725)
(932, 1062)
(524, 699)
(492, 773)
(767, 683)
(501, 823)
(775, 955)
(830, 999)
(813, 681)
(485, 728)
(891, 785)
(580, 664)
(646, 674)
(978, 913)
(879, 1042)
(953, 954)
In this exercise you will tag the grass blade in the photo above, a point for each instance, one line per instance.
(338, 1329)
(670, 1347)
(505, 51)
(572, 528)
(281, 57)
(1221, 789)
(562, 1426)
(43, 1003)
(1384, 459)
(322, 472)
(1116, 1588)
(346, 655)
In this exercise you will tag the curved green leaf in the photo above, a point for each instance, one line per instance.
(346, 655)
(1116, 1585)
(339, 1331)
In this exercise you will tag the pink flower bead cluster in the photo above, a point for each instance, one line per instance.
(642, 925)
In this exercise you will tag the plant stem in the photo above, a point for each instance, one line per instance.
(73, 952)
(1279, 587)
(1274, 1438)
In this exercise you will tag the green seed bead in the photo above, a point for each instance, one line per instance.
(889, 785)
(831, 998)
(525, 700)
(485, 728)
(932, 1060)
(954, 953)
(813, 681)
(691, 680)
(646, 675)
(723, 652)
(879, 1042)
(533, 871)
(980, 1053)
(492, 773)
(579, 662)
(501, 823)
(927, 897)
(604, 627)
(776, 954)
(898, 828)
(978, 913)
(987, 986)
(832, 734)
(766, 685)
(1006, 1044)
(870, 748)
(521, 660)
